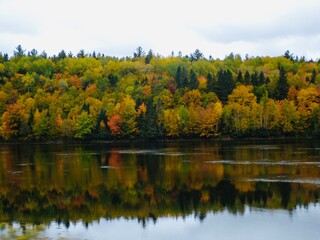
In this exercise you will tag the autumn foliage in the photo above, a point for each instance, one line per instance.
(98, 97)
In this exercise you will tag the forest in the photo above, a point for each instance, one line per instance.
(90, 96)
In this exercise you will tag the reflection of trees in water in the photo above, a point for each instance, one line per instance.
(68, 184)
(64, 206)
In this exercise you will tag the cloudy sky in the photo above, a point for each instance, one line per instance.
(118, 27)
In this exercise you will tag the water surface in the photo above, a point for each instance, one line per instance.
(228, 189)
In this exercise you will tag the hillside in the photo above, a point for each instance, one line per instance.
(92, 96)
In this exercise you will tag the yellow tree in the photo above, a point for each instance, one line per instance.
(241, 102)
(165, 98)
(122, 118)
(209, 119)
(171, 121)
(308, 106)
(192, 97)
(129, 116)
(41, 127)
(289, 116)
(11, 121)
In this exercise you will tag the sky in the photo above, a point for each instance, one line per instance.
(118, 27)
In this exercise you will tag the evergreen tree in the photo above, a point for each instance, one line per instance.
(101, 121)
(81, 54)
(193, 84)
(94, 55)
(196, 55)
(181, 77)
(282, 85)
(261, 80)
(33, 53)
(113, 78)
(178, 78)
(150, 129)
(149, 56)
(62, 55)
(267, 80)
(254, 79)
(240, 77)
(44, 55)
(247, 78)
(19, 52)
(225, 85)
(288, 55)
(5, 57)
(211, 83)
(139, 52)
(313, 76)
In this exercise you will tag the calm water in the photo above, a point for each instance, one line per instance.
(186, 190)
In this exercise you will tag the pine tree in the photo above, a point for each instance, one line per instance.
(19, 52)
(178, 78)
(149, 56)
(239, 77)
(193, 84)
(313, 76)
(139, 52)
(254, 79)
(247, 78)
(211, 83)
(197, 55)
(261, 80)
(181, 77)
(62, 55)
(282, 85)
(81, 54)
(225, 85)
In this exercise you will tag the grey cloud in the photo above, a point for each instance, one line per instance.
(8, 25)
(292, 25)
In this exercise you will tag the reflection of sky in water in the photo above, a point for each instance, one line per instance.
(263, 162)
(278, 180)
(254, 224)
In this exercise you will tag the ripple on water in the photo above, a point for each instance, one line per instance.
(25, 164)
(284, 162)
(260, 147)
(77, 154)
(143, 151)
(281, 179)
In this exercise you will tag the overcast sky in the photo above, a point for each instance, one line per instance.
(118, 27)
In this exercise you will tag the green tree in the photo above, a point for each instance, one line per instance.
(313, 76)
(261, 79)
(247, 78)
(19, 52)
(240, 77)
(84, 125)
(81, 54)
(139, 52)
(62, 54)
(181, 77)
(193, 80)
(225, 85)
(211, 83)
(282, 87)
(254, 79)
(149, 56)
(196, 55)
(41, 126)
(33, 53)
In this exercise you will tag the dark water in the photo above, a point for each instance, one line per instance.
(182, 190)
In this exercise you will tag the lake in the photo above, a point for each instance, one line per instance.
(169, 190)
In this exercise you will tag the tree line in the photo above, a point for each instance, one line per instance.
(93, 96)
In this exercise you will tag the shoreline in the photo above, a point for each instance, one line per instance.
(160, 140)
